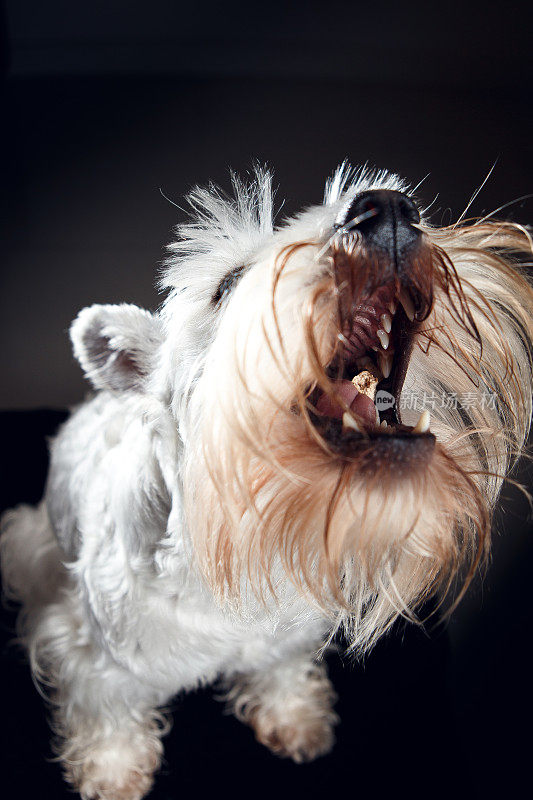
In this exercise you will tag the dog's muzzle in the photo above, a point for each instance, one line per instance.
(382, 265)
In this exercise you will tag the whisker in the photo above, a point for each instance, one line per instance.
(426, 209)
(505, 205)
(419, 184)
(476, 193)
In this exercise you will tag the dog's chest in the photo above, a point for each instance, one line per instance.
(189, 638)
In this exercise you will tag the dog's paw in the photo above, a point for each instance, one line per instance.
(290, 708)
(300, 731)
(116, 770)
(133, 786)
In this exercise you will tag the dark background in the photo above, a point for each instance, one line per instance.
(103, 104)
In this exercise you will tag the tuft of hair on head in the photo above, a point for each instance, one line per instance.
(226, 229)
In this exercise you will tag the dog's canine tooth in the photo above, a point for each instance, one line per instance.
(383, 423)
(385, 363)
(407, 305)
(392, 307)
(422, 426)
(386, 321)
(383, 338)
(349, 422)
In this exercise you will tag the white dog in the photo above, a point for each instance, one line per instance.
(258, 466)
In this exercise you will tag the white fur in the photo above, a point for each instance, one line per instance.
(118, 617)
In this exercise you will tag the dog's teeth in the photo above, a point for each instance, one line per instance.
(385, 363)
(383, 423)
(383, 338)
(349, 422)
(386, 321)
(392, 307)
(407, 305)
(422, 426)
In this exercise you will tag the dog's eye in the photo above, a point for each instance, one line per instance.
(227, 283)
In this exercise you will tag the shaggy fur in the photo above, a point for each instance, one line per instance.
(208, 514)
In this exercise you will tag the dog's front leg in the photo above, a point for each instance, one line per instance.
(289, 706)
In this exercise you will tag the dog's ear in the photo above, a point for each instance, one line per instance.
(115, 345)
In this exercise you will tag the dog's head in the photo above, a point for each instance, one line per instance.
(349, 390)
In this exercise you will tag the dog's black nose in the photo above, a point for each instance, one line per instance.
(385, 218)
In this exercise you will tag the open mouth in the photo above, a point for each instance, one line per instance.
(367, 373)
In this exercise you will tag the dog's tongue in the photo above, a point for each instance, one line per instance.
(359, 403)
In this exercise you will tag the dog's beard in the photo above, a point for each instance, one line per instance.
(366, 521)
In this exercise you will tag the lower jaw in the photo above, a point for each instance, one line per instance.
(379, 448)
